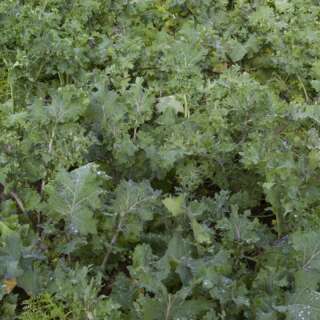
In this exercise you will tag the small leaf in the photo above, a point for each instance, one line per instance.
(174, 205)
(4, 230)
(201, 232)
(237, 51)
(169, 103)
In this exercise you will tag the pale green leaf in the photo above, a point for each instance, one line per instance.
(169, 103)
(175, 205)
(201, 232)
(74, 196)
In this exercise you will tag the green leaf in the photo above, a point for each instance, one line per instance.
(132, 198)
(145, 272)
(239, 228)
(74, 196)
(308, 245)
(175, 205)
(169, 103)
(303, 305)
(10, 256)
(201, 232)
(5, 231)
(68, 104)
(236, 50)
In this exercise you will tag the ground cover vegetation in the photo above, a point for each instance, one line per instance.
(159, 159)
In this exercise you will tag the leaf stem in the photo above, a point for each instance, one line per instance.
(169, 306)
(303, 88)
(12, 93)
(112, 243)
(186, 108)
(60, 79)
(278, 221)
(121, 216)
(18, 201)
(53, 133)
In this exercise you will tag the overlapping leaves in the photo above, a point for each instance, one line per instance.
(205, 117)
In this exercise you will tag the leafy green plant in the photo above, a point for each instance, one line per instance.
(43, 307)
(159, 159)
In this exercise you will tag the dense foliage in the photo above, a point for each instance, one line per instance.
(159, 159)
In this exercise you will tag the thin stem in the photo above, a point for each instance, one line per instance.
(18, 201)
(115, 236)
(112, 243)
(60, 79)
(250, 258)
(186, 108)
(169, 306)
(266, 215)
(53, 133)
(304, 88)
(278, 221)
(16, 198)
(50, 145)
(40, 70)
(12, 93)
(135, 130)
(9, 81)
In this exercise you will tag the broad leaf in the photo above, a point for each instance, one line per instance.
(74, 196)
(303, 305)
(308, 245)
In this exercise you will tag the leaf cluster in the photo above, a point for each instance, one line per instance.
(159, 159)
